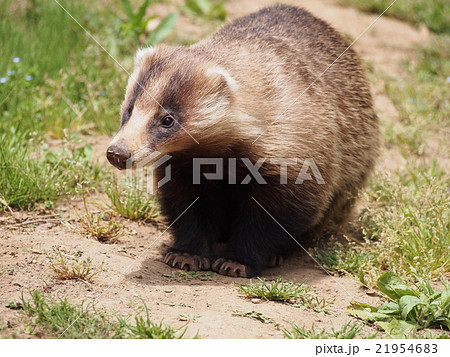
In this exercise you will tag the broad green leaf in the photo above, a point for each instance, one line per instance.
(162, 30)
(445, 300)
(407, 303)
(367, 313)
(397, 327)
(389, 308)
(394, 287)
(200, 7)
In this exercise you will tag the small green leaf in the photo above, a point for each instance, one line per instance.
(162, 30)
(394, 287)
(407, 303)
(141, 12)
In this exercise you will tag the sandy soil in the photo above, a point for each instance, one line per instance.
(133, 267)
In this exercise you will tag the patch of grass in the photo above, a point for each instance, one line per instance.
(84, 321)
(60, 81)
(347, 331)
(130, 200)
(434, 14)
(409, 221)
(339, 259)
(299, 295)
(409, 309)
(404, 228)
(57, 316)
(31, 174)
(144, 328)
(53, 39)
(67, 267)
(421, 98)
(100, 226)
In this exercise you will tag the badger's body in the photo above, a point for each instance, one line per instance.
(277, 84)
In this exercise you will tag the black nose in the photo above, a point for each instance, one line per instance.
(118, 157)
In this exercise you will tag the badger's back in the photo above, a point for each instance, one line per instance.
(304, 94)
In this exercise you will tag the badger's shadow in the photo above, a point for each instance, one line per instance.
(300, 267)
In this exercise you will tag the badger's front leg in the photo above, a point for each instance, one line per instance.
(193, 244)
(263, 232)
(196, 229)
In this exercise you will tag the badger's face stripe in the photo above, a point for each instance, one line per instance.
(141, 86)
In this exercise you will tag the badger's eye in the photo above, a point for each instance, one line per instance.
(167, 121)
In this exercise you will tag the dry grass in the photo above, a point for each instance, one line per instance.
(68, 267)
(100, 225)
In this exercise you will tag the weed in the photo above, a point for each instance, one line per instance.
(77, 269)
(259, 316)
(133, 27)
(84, 321)
(131, 202)
(299, 295)
(409, 310)
(206, 9)
(347, 331)
(145, 328)
(98, 226)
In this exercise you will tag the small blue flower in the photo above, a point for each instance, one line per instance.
(16, 59)
(3, 79)
(28, 78)
(102, 93)
(10, 73)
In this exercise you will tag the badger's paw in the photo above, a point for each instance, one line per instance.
(186, 261)
(232, 268)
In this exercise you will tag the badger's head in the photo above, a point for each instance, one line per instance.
(175, 101)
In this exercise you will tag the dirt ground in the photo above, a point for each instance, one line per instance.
(133, 267)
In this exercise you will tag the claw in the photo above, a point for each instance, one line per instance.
(231, 268)
(186, 261)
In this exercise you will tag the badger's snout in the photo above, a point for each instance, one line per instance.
(119, 157)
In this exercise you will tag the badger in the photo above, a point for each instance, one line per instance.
(265, 94)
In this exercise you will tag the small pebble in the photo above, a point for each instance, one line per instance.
(256, 301)
(167, 291)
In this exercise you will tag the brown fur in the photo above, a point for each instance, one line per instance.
(227, 91)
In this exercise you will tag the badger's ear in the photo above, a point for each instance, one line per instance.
(222, 84)
(142, 54)
(221, 74)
